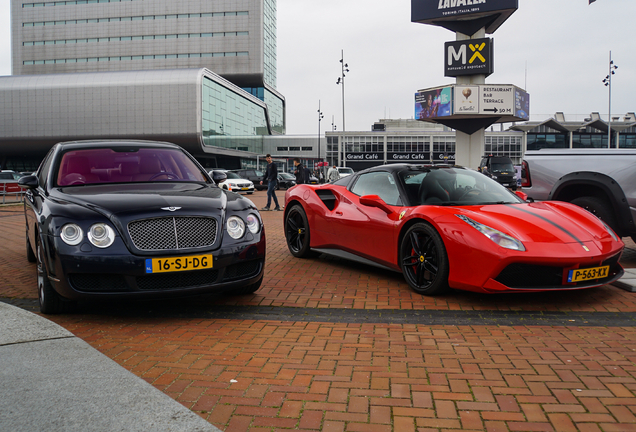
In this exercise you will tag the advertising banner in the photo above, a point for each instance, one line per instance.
(522, 104)
(466, 99)
(426, 10)
(469, 57)
(434, 103)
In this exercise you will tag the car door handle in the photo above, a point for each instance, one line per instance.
(339, 213)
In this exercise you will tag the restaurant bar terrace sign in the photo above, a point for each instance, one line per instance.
(457, 15)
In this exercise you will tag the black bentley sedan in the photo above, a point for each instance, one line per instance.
(136, 219)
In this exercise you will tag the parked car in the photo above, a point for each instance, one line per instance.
(286, 180)
(133, 220)
(234, 182)
(601, 181)
(253, 175)
(500, 169)
(344, 171)
(451, 227)
(9, 182)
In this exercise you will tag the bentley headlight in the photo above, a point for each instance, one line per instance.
(101, 235)
(235, 227)
(253, 224)
(503, 240)
(72, 234)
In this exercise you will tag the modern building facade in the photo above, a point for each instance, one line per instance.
(593, 132)
(195, 108)
(411, 141)
(91, 60)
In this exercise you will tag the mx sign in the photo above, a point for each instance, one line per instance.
(469, 57)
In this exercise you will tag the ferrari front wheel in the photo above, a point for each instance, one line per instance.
(424, 260)
(297, 232)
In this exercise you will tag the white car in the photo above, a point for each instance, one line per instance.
(344, 171)
(235, 183)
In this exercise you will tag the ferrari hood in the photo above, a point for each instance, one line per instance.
(543, 222)
(149, 199)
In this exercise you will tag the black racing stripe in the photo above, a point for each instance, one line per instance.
(550, 222)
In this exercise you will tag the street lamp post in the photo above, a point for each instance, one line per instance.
(320, 117)
(608, 83)
(341, 80)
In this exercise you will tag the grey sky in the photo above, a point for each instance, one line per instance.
(565, 44)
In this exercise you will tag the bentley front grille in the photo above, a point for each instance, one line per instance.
(173, 233)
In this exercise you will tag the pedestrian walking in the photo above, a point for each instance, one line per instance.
(301, 173)
(271, 177)
(333, 174)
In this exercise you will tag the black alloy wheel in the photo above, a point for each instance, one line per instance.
(29, 251)
(50, 301)
(297, 232)
(423, 260)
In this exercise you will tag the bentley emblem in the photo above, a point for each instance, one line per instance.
(171, 209)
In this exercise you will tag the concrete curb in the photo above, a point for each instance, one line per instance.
(53, 381)
(628, 281)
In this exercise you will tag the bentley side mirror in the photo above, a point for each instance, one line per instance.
(28, 182)
(219, 176)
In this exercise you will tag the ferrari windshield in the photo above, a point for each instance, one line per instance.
(126, 165)
(454, 186)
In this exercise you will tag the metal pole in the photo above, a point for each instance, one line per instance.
(343, 89)
(609, 119)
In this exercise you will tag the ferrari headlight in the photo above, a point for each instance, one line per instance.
(503, 240)
(101, 235)
(253, 224)
(235, 227)
(72, 234)
(609, 230)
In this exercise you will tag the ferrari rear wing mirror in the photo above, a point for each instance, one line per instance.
(375, 201)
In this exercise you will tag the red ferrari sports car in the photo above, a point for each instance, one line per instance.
(450, 227)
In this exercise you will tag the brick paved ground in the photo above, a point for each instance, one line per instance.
(258, 375)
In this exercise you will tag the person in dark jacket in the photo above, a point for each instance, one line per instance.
(300, 172)
(271, 177)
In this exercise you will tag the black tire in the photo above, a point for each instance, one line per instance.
(297, 232)
(249, 289)
(50, 301)
(599, 208)
(29, 251)
(423, 260)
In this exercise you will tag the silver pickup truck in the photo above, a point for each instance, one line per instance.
(603, 181)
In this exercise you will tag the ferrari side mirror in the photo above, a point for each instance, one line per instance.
(375, 201)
